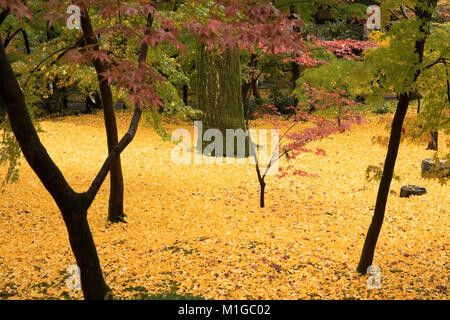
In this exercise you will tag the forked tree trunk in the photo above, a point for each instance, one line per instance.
(115, 208)
(73, 206)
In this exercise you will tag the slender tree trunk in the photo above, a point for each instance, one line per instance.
(424, 14)
(433, 143)
(296, 69)
(248, 87)
(26, 41)
(261, 197)
(245, 93)
(385, 183)
(185, 94)
(3, 15)
(295, 74)
(255, 89)
(73, 206)
(115, 209)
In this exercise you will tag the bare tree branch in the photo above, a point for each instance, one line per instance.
(252, 150)
(64, 51)
(438, 60)
(394, 14)
(123, 143)
(8, 39)
(404, 14)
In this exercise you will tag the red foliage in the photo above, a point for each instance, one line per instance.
(322, 99)
(248, 25)
(17, 8)
(240, 24)
(348, 49)
(293, 143)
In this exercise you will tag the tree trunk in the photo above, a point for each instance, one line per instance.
(115, 209)
(385, 183)
(185, 94)
(433, 143)
(26, 42)
(71, 204)
(424, 15)
(83, 247)
(295, 74)
(261, 197)
(256, 93)
(219, 91)
(296, 70)
(245, 95)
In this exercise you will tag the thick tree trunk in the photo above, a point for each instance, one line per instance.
(83, 247)
(219, 91)
(115, 210)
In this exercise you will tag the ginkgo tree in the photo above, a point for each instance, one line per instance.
(403, 62)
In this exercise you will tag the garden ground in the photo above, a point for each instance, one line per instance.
(198, 229)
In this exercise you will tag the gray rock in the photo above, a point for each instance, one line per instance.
(429, 169)
(410, 190)
(120, 105)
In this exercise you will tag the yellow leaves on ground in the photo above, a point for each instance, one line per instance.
(199, 229)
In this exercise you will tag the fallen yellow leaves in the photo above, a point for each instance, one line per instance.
(199, 229)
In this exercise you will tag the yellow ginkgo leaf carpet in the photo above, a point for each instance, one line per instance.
(198, 229)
